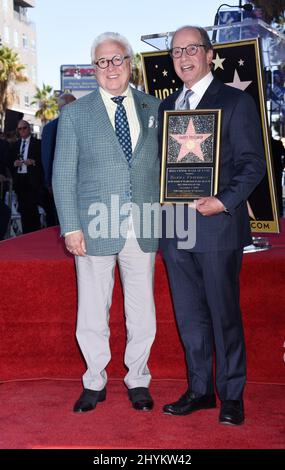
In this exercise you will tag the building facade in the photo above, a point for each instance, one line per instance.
(19, 33)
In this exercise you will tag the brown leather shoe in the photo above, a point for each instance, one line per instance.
(190, 402)
(88, 400)
(140, 398)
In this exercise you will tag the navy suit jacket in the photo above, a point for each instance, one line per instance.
(242, 166)
(48, 149)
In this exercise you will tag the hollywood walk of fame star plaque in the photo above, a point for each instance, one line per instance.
(190, 155)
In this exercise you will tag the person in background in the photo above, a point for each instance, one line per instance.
(28, 180)
(107, 150)
(48, 140)
(204, 280)
(5, 211)
(27, 176)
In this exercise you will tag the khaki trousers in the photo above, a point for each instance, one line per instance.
(95, 278)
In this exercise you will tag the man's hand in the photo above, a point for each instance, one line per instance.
(75, 243)
(18, 162)
(29, 162)
(209, 206)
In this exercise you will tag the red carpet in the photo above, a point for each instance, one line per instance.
(38, 415)
(38, 314)
(37, 340)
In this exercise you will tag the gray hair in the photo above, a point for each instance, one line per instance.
(109, 36)
(203, 33)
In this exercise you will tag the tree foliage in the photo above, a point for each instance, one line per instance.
(137, 75)
(47, 103)
(11, 72)
(274, 10)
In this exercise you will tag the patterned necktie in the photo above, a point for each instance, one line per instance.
(122, 127)
(23, 148)
(186, 102)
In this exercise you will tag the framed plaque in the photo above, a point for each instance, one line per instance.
(190, 155)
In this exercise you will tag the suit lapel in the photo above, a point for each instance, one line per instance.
(30, 149)
(209, 99)
(142, 114)
(99, 115)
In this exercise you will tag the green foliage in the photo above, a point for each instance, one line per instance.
(47, 103)
(274, 10)
(11, 71)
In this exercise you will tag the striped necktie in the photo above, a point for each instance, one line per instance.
(122, 127)
(186, 102)
(23, 148)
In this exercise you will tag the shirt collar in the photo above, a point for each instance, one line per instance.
(108, 95)
(200, 87)
(27, 139)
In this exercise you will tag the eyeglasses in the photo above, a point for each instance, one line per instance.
(191, 49)
(116, 60)
(22, 128)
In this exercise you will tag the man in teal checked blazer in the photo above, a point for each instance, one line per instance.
(106, 172)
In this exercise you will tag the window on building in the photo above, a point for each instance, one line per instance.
(26, 101)
(25, 41)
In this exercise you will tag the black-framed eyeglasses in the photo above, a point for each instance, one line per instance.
(191, 49)
(116, 60)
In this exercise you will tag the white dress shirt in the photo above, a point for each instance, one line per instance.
(130, 108)
(23, 168)
(198, 91)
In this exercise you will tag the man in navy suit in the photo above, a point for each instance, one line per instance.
(48, 148)
(27, 176)
(49, 140)
(204, 280)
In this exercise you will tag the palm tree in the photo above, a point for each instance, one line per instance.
(11, 71)
(47, 102)
(273, 10)
(137, 75)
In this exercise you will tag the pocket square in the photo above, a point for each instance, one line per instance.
(152, 122)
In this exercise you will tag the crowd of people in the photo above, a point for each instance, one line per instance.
(27, 162)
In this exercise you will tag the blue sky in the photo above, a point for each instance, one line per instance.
(66, 28)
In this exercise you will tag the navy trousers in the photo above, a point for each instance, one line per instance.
(205, 292)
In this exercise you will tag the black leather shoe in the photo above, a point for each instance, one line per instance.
(140, 398)
(88, 400)
(190, 402)
(231, 412)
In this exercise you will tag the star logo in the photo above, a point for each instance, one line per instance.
(190, 142)
(241, 62)
(218, 62)
(238, 83)
(165, 73)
